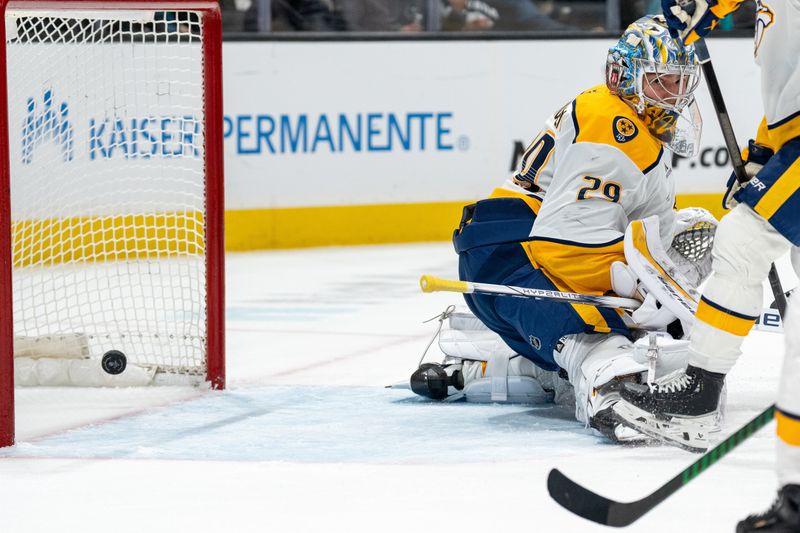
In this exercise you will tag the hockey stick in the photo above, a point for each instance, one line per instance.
(596, 508)
(434, 284)
(767, 321)
(602, 510)
(733, 149)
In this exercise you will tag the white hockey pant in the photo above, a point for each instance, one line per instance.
(788, 415)
(492, 371)
(745, 246)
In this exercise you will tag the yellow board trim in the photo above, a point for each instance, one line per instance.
(780, 191)
(788, 429)
(302, 227)
(722, 320)
(710, 201)
(252, 229)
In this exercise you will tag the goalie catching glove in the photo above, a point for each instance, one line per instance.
(665, 280)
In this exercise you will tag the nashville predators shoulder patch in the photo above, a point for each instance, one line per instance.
(624, 129)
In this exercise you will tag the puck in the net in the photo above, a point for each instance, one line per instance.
(114, 362)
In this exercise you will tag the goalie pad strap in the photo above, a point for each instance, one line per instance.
(497, 368)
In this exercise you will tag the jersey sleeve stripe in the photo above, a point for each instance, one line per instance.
(655, 163)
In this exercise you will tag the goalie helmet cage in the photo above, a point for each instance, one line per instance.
(114, 34)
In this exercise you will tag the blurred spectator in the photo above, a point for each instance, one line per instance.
(499, 15)
(468, 15)
(382, 15)
(172, 23)
(233, 14)
(524, 15)
(589, 15)
(305, 15)
(454, 15)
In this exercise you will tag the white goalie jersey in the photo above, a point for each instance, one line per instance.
(596, 167)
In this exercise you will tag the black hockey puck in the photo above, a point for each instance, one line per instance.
(114, 362)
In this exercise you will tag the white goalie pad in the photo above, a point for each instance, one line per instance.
(492, 371)
(657, 273)
(507, 379)
(594, 361)
(466, 337)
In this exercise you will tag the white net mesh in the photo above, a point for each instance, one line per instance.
(107, 181)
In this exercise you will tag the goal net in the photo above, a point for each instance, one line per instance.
(114, 152)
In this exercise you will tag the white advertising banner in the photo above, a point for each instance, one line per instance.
(344, 123)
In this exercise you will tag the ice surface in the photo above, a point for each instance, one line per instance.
(307, 439)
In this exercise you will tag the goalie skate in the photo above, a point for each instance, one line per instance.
(682, 408)
(690, 433)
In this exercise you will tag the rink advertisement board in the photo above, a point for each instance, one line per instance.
(358, 142)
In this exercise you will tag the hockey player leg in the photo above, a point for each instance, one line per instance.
(599, 364)
(480, 367)
(784, 515)
(685, 408)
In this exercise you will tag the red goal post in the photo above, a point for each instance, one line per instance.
(141, 240)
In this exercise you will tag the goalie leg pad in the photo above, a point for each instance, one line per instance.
(508, 379)
(478, 344)
(594, 361)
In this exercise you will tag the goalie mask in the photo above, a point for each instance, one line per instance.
(657, 76)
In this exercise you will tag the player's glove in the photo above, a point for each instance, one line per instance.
(692, 20)
(757, 157)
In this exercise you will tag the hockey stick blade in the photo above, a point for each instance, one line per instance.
(599, 509)
(589, 505)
